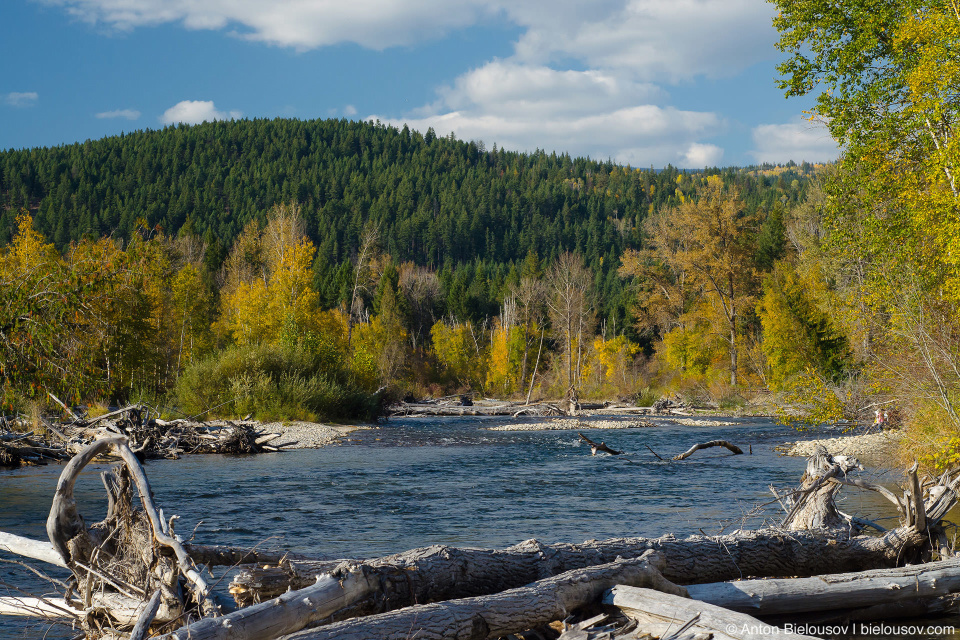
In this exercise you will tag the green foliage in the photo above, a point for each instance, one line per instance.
(797, 334)
(772, 240)
(449, 205)
(809, 401)
(50, 333)
(457, 348)
(272, 382)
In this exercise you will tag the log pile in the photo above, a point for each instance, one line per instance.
(464, 405)
(453, 406)
(133, 576)
(148, 436)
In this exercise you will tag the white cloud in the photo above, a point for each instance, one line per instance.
(505, 88)
(799, 141)
(302, 24)
(579, 78)
(21, 99)
(129, 114)
(349, 110)
(655, 39)
(699, 156)
(665, 39)
(195, 112)
(580, 112)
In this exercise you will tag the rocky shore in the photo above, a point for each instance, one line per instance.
(309, 435)
(871, 446)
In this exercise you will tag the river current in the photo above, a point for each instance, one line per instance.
(415, 482)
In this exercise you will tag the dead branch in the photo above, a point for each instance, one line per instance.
(706, 445)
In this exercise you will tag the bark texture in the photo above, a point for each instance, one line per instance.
(504, 613)
(837, 591)
(430, 574)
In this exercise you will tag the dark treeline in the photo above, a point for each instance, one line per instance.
(469, 213)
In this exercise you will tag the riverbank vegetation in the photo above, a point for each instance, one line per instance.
(291, 268)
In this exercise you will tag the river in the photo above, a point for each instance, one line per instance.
(414, 482)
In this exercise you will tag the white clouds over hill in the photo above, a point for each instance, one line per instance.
(590, 112)
(195, 112)
(584, 77)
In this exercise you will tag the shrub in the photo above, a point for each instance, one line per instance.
(272, 382)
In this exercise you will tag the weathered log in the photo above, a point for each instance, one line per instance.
(228, 556)
(659, 612)
(28, 548)
(69, 411)
(120, 609)
(286, 614)
(598, 446)
(706, 445)
(571, 403)
(914, 608)
(493, 616)
(440, 573)
(513, 409)
(45, 608)
(211, 555)
(835, 591)
(142, 627)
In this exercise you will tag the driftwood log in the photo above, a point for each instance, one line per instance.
(706, 445)
(453, 409)
(116, 564)
(147, 435)
(830, 592)
(441, 572)
(598, 446)
(495, 615)
(659, 613)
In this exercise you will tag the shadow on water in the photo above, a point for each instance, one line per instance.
(416, 482)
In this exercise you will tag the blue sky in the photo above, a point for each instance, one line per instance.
(644, 82)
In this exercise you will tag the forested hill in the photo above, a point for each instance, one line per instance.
(455, 206)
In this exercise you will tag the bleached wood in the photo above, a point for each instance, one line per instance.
(659, 612)
(213, 555)
(286, 614)
(836, 591)
(35, 549)
(142, 627)
(45, 608)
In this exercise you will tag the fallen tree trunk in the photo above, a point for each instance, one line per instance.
(488, 616)
(212, 555)
(440, 573)
(837, 591)
(33, 549)
(706, 445)
(659, 613)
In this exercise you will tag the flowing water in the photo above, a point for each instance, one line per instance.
(415, 482)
